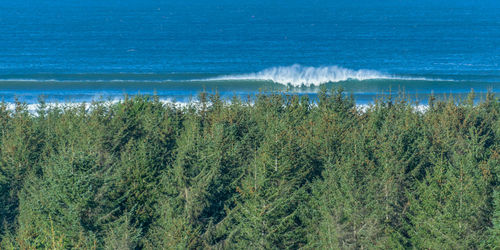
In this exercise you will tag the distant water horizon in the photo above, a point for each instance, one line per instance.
(79, 51)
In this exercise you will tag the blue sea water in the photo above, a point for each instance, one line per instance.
(82, 50)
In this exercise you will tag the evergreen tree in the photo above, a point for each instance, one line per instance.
(20, 149)
(276, 171)
(276, 182)
(494, 237)
(61, 205)
(451, 206)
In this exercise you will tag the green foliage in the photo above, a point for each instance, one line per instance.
(279, 172)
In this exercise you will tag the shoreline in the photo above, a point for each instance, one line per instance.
(195, 102)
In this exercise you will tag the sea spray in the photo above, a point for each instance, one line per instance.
(306, 76)
(298, 75)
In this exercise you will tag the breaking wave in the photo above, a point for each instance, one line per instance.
(298, 75)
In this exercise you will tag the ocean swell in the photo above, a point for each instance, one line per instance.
(304, 76)
(298, 75)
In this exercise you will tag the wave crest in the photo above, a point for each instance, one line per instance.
(298, 75)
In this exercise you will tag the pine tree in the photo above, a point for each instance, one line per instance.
(20, 149)
(185, 190)
(494, 233)
(451, 205)
(122, 235)
(277, 171)
(276, 182)
(61, 203)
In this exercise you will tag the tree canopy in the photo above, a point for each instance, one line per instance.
(278, 171)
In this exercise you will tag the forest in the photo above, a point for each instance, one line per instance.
(276, 171)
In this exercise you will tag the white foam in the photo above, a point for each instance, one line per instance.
(33, 107)
(27, 80)
(298, 75)
(419, 108)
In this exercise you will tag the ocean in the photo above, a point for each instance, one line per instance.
(80, 51)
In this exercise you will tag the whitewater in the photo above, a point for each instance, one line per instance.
(81, 51)
(297, 75)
